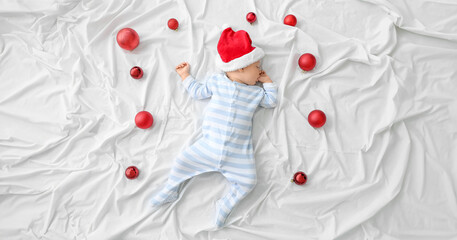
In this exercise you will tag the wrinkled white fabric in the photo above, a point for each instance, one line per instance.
(382, 167)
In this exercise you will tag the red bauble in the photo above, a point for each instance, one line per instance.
(132, 172)
(128, 39)
(251, 17)
(307, 61)
(290, 20)
(143, 120)
(300, 178)
(173, 24)
(316, 118)
(136, 72)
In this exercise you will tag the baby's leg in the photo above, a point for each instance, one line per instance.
(186, 165)
(180, 172)
(240, 185)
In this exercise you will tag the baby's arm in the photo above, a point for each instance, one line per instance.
(196, 89)
(270, 91)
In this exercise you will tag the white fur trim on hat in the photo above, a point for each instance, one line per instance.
(241, 62)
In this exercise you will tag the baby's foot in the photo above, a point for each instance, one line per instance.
(221, 215)
(159, 201)
(173, 196)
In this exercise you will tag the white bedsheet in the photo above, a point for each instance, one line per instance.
(383, 166)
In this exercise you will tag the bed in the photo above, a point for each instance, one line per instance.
(382, 167)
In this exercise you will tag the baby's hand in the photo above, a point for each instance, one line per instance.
(183, 70)
(264, 78)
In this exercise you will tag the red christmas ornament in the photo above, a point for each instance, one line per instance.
(132, 172)
(307, 61)
(251, 17)
(316, 118)
(290, 20)
(143, 120)
(128, 39)
(136, 72)
(300, 178)
(173, 24)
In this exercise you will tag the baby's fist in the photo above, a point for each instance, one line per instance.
(183, 70)
(264, 78)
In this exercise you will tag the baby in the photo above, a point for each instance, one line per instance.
(225, 145)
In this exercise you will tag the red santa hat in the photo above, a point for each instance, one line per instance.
(236, 51)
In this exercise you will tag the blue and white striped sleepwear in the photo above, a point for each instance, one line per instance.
(226, 144)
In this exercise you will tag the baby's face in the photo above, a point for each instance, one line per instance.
(251, 73)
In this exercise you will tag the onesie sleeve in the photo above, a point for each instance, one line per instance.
(270, 94)
(198, 90)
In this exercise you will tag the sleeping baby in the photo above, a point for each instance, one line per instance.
(225, 145)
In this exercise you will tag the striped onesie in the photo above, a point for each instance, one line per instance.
(225, 145)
